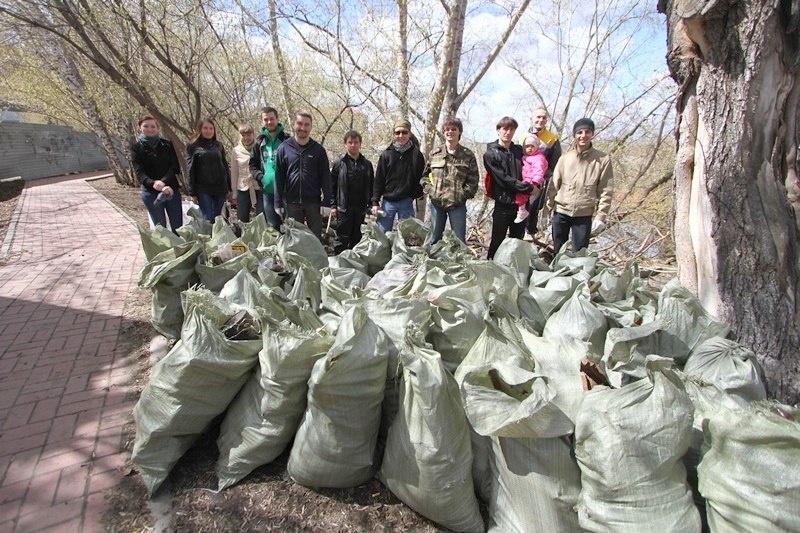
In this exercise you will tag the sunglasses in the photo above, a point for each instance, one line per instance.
(401, 132)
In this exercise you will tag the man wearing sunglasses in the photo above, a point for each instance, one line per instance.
(397, 178)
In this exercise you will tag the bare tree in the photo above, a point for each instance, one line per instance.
(737, 192)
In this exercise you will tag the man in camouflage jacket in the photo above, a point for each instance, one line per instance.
(450, 179)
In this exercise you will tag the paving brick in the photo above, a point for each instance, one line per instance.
(18, 415)
(103, 480)
(8, 397)
(96, 506)
(9, 512)
(88, 422)
(63, 428)
(73, 483)
(44, 385)
(24, 444)
(13, 491)
(22, 467)
(11, 435)
(79, 407)
(39, 395)
(45, 409)
(56, 515)
(41, 492)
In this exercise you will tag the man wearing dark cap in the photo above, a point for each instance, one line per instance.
(397, 178)
(580, 187)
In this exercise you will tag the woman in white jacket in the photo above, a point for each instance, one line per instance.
(248, 190)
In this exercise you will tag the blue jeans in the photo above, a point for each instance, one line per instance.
(402, 208)
(273, 218)
(458, 222)
(172, 208)
(211, 205)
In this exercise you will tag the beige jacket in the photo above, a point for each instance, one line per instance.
(240, 170)
(581, 184)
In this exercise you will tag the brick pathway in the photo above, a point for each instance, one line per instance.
(72, 261)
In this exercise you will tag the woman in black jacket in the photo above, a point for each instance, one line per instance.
(156, 166)
(209, 172)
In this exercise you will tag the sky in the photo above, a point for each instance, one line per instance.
(544, 38)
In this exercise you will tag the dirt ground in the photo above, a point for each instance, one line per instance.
(267, 500)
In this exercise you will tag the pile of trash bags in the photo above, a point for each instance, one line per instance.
(563, 396)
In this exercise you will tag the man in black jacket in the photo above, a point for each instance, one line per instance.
(397, 178)
(503, 162)
(302, 177)
(351, 177)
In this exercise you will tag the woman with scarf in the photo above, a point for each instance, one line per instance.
(156, 166)
(248, 190)
(209, 172)
(397, 178)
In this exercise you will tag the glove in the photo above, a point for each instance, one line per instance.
(598, 226)
(281, 212)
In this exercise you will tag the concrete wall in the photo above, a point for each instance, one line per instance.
(41, 150)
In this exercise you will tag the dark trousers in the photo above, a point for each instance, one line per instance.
(581, 229)
(172, 208)
(243, 205)
(348, 230)
(502, 223)
(535, 204)
(308, 214)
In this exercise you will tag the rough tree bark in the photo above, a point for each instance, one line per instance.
(737, 224)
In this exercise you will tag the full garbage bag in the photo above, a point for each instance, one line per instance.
(534, 478)
(581, 319)
(749, 473)
(191, 385)
(730, 366)
(298, 240)
(629, 443)
(374, 248)
(336, 441)
(168, 274)
(264, 417)
(428, 458)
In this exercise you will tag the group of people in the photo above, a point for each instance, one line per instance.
(290, 176)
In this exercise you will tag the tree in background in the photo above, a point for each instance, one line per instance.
(737, 193)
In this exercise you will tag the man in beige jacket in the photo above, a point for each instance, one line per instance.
(580, 187)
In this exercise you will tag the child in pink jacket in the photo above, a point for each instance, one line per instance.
(534, 165)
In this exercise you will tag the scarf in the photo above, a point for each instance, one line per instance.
(152, 142)
(246, 146)
(402, 148)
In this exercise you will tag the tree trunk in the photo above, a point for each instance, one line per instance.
(737, 223)
(74, 80)
(402, 56)
(279, 61)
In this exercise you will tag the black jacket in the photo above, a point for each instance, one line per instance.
(505, 168)
(398, 175)
(152, 163)
(354, 194)
(209, 172)
(302, 174)
(256, 154)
